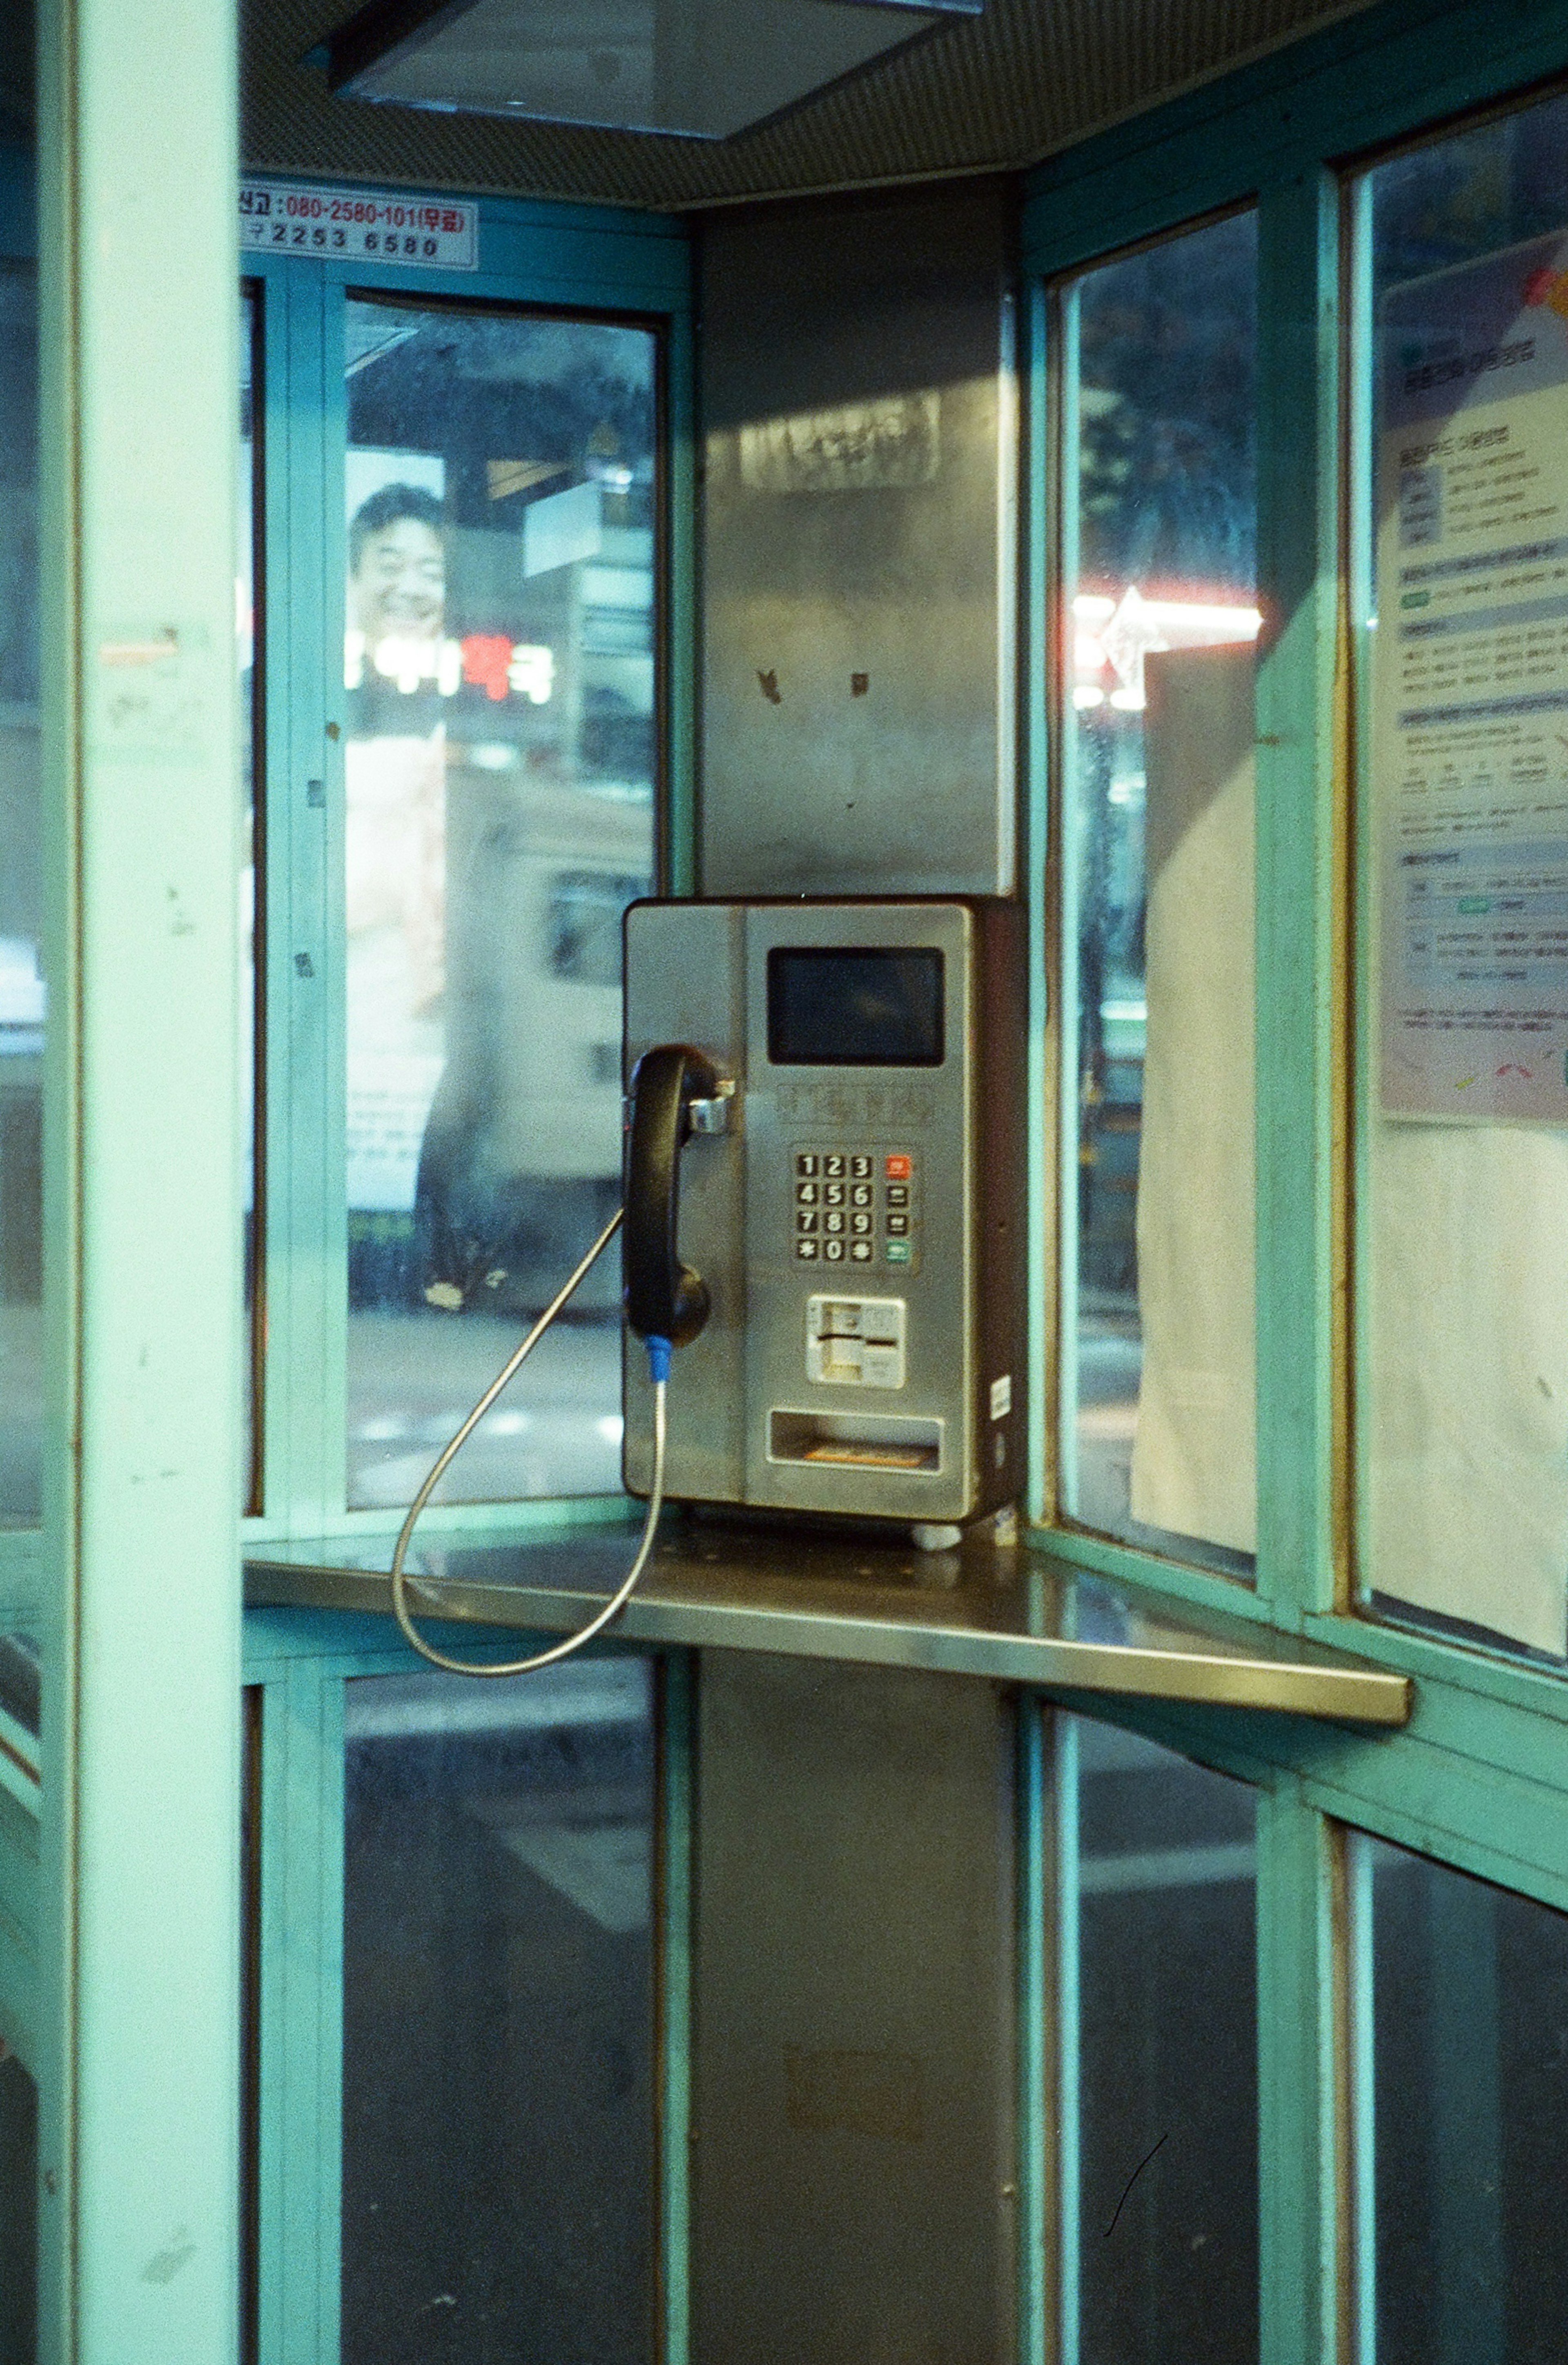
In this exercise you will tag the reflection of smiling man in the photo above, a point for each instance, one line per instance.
(397, 565)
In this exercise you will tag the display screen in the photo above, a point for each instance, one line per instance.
(854, 1007)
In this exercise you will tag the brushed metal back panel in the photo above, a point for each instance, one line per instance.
(855, 568)
(686, 984)
(853, 2175)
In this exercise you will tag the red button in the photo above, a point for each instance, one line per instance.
(899, 1168)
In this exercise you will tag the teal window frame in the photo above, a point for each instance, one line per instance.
(1479, 1778)
(300, 1662)
(571, 259)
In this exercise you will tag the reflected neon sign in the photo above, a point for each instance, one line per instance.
(492, 662)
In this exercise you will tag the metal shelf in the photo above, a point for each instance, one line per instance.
(986, 1609)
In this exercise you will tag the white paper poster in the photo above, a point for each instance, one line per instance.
(1470, 758)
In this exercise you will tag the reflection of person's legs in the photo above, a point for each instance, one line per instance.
(453, 1235)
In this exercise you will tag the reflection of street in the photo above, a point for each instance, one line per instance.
(556, 1430)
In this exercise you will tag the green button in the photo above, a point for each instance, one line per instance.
(899, 1251)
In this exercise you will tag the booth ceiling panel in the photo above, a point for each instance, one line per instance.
(1025, 80)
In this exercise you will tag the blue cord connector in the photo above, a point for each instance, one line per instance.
(659, 1353)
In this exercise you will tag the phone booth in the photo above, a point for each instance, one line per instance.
(783, 1072)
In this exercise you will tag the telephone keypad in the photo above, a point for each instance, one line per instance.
(880, 1186)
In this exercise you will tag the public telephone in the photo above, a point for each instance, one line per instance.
(840, 1241)
(822, 1218)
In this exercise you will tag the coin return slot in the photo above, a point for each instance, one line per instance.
(856, 1342)
(857, 1440)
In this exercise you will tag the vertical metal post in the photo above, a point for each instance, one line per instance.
(1298, 406)
(1304, 2196)
(140, 2042)
(1069, 2034)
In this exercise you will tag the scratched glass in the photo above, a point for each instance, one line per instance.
(500, 499)
(1462, 603)
(498, 2195)
(1160, 2053)
(1462, 2176)
(1157, 622)
(22, 997)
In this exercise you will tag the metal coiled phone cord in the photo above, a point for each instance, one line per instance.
(658, 1365)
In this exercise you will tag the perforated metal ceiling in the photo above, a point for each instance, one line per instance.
(1026, 79)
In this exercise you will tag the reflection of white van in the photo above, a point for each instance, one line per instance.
(522, 1150)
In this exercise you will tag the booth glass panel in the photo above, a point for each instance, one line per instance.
(1156, 1442)
(499, 674)
(22, 997)
(1163, 2059)
(1465, 2159)
(499, 2138)
(1463, 593)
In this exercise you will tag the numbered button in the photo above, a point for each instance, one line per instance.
(833, 1165)
(806, 1162)
(833, 1220)
(860, 1195)
(806, 1221)
(805, 1195)
(859, 1223)
(832, 1195)
(833, 1251)
(859, 1168)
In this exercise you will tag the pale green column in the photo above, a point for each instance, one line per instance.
(140, 2055)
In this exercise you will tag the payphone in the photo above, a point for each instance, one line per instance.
(850, 1194)
(822, 1216)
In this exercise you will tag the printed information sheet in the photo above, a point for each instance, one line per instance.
(1470, 747)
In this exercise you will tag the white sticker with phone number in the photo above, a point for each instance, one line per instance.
(358, 225)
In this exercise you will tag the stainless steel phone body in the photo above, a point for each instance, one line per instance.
(859, 1220)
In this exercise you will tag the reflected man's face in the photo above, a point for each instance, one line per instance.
(398, 588)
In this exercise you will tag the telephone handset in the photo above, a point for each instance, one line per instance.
(666, 1306)
(664, 1297)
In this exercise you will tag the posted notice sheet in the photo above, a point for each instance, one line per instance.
(1470, 753)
